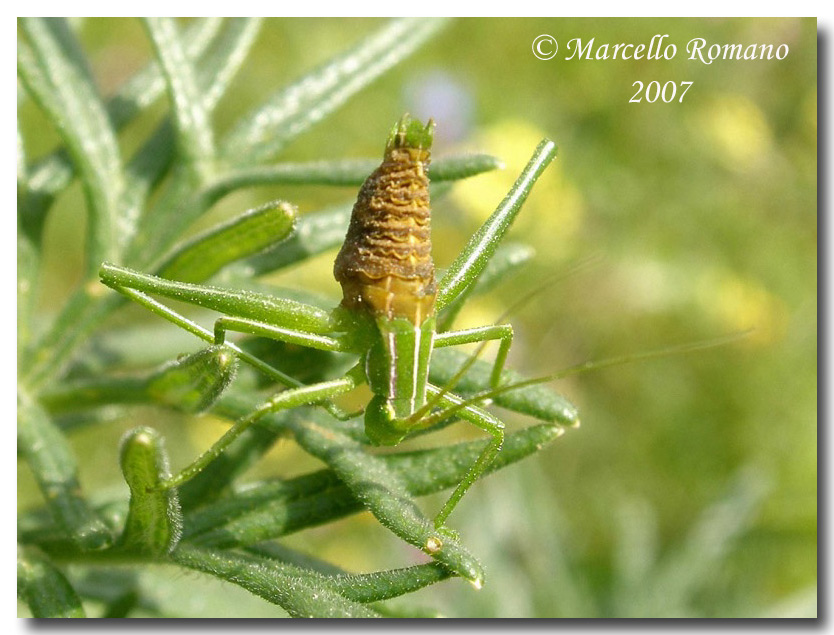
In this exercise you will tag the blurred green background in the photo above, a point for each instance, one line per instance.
(690, 489)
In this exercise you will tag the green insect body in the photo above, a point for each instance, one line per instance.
(387, 316)
(386, 271)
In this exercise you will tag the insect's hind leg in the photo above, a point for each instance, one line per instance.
(485, 421)
(228, 323)
(291, 336)
(293, 398)
(501, 332)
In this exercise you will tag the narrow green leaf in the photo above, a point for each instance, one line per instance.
(28, 261)
(178, 207)
(145, 87)
(385, 495)
(145, 169)
(293, 109)
(215, 72)
(248, 234)
(52, 462)
(52, 174)
(226, 56)
(38, 527)
(429, 471)
(508, 258)
(473, 259)
(280, 584)
(106, 417)
(64, 88)
(37, 84)
(277, 551)
(125, 347)
(188, 384)
(537, 401)
(297, 107)
(22, 170)
(455, 168)
(246, 304)
(84, 310)
(195, 139)
(102, 391)
(191, 383)
(154, 521)
(44, 588)
(359, 587)
(347, 172)
(384, 585)
(272, 509)
(315, 233)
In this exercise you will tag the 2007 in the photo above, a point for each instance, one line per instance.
(653, 91)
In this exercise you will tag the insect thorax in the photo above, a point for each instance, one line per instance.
(385, 264)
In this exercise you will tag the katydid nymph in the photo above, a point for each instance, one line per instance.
(387, 317)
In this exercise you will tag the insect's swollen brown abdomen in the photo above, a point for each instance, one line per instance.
(385, 264)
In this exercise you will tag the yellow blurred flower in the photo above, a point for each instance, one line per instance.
(737, 131)
(740, 304)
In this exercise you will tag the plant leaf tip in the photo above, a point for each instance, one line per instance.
(548, 149)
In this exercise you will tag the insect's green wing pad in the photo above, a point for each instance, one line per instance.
(411, 133)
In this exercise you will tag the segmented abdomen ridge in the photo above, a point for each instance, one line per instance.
(385, 263)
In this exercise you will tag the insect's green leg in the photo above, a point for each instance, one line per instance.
(501, 332)
(248, 304)
(195, 329)
(471, 262)
(304, 396)
(485, 421)
(290, 336)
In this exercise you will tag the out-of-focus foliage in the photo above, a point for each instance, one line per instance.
(691, 487)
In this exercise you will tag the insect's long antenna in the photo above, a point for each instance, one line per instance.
(549, 282)
(515, 306)
(585, 367)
